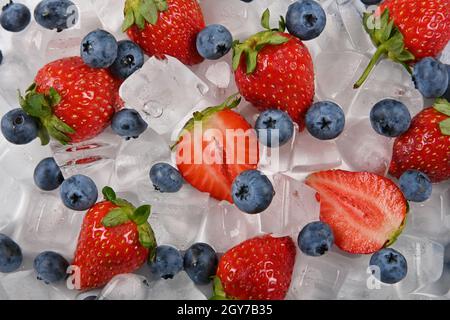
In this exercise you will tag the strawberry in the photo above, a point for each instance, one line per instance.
(72, 101)
(115, 238)
(407, 31)
(165, 27)
(275, 70)
(365, 211)
(215, 146)
(426, 145)
(257, 269)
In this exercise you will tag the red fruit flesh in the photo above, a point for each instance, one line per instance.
(423, 147)
(211, 160)
(425, 25)
(258, 269)
(175, 32)
(105, 252)
(365, 211)
(283, 79)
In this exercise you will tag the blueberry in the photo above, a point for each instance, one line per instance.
(56, 14)
(90, 298)
(390, 265)
(1, 57)
(248, 1)
(415, 185)
(214, 41)
(47, 175)
(10, 254)
(370, 2)
(129, 59)
(166, 178)
(252, 192)
(325, 120)
(128, 123)
(18, 127)
(200, 263)
(305, 19)
(78, 192)
(390, 118)
(15, 17)
(50, 267)
(274, 125)
(447, 93)
(430, 77)
(168, 262)
(315, 239)
(99, 49)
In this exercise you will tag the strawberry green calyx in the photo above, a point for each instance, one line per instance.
(393, 238)
(443, 106)
(126, 212)
(251, 47)
(198, 116)
(218, 291)
(137, 12)
(389, 42)
(40, 106)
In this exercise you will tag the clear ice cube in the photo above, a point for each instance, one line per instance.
(180, 287)
(13, 198)
(445, 55)
(110, 14)
(163, 91)
(125, 287)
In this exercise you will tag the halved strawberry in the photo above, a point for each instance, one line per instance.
(215, 146)
(365, 211)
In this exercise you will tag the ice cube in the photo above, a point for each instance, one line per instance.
(23, 285)
(180, 287)
(135, 158)
(15, 75)
(12, 199)
(445, 56)
(125, 287)
(387, 80)
(46, 224)
(110, 14)
(363, 149)
(311, 154)
(336, 72)
(176, 217)
(225, 226)
(318, 278)
(164, 91)
(293, 206)
(425, 260)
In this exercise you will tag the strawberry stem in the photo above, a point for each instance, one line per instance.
(376, 57)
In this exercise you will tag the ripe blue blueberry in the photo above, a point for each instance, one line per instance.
(78, 192)
(214, 41)
(15, 17)
(99, 49)
(166, 178)
(415, 185)
(18, 127)
(370, 2)
(315, 239)
(430, 77)
(305, 19)
(200, 263)
(252, 192)
(447, 93)
(325, 120)
(274, 128)
(47, 175)
(56, 14)
(130, 58)
(168, 262)
(390, 118)
(50, 267)
(128, 123)
(10, 254)
(389, 266)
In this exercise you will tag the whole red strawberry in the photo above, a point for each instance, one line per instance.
(72, 101)
(257, 269)
(407, 31)
(165, 27)
(215, 146)
(115, 238)
(426, 145)
(275, 70)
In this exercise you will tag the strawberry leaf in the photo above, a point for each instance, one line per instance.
(443, 106)
(115, 217)
(43, 135)
(146, 236)
(137, 12)
(218, 291)
(128, 21)
(282, 24)
(445, 127)
(109, 194)
(141, 214)
(252, 59)
(265, 19)
(161, 5)
(149, 11)
(54, 97)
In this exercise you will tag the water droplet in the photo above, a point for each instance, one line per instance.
(154, 109)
